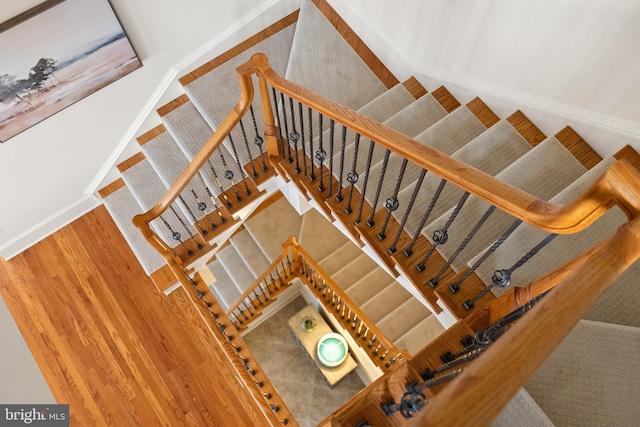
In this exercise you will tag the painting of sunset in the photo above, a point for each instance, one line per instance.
(58, 57)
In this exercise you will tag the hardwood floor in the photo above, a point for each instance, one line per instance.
(108, 343)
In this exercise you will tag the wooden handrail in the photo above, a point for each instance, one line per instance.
(253, 286)
(508, 364)
(614, 187)
(246, 96)
(354, 307)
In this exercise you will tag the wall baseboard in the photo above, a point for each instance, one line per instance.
(49, 226)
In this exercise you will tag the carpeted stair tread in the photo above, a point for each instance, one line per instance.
(236, 268)
(369, 285)
(223, 287)
(522, 411)
(385, 301)
(354, 271)
(526, 236)
(387, 104)
(329, 67)
(169, 162)
(148, 189)
(544, 172)
(273, 226)
(501, 134)
(617, 304)
(402, 318)
(421, 334)
(122, 207)
(250, 252)
(339, 258)
(411, 121)
(191, 131)
(583, 380)
(318, 236)
(216, 93)
(448, 134)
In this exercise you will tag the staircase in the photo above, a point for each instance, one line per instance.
(380, 251)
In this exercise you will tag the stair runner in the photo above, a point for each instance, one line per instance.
(577, 386)
(401, 317)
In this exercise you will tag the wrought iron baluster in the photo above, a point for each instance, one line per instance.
(312, 176)
(383, 172)
(332, 125)
(304, 149)
(258, 140)
(366, 181)
(176, 236)
(215, 176)
(243, 176)
(343, 147)
(440, 236)
(502, 278)
(246, 145)
(228, 173)
(286, 128)
(275, 104)
(392, 204)
(352, 177)
(202, 207)
(321, 154)
(409, 249)
(455, 287)
(433, 282)
(294, 136)
(193, 217)
(392, 250)
(213, 199)
(184, 226)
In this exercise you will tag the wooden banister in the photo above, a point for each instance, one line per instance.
(508, 364)
(246, 96)
(612, 188)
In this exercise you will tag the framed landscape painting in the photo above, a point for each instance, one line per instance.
(55, 54)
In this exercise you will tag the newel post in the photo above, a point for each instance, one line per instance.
(272, 134)
(292, 243)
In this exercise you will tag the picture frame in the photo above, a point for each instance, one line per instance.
(55, 54)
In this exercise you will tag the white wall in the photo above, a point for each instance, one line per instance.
(576, 59)
(50, 171)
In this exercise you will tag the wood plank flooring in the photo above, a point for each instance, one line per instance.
(108, 343)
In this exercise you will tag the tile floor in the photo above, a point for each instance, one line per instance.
(299, 383)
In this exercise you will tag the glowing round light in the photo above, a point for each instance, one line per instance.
(332, 350)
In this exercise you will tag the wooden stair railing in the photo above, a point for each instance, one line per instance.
(299, 264)
(261, 392)
(584, 278)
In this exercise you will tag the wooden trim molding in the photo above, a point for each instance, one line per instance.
(28, 14)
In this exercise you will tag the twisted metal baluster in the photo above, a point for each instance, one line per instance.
(343, 146)
(294, 136)
(502, 278)
(433, 282)
(202, 207)
(246, 145)
(312, 176)
(193, 217)
(392, 204)
(408, 251)
(321, 154)
(228, 173)
(332, 124)
(440, 236)
(243, 176)
(352, 177)
(258, 140)
(383, 172)
(392, 250)
(304, 149)
(213, 199)
(455, 287)
(184, 225)
(286, 127)
(366, 181)
(275, 103)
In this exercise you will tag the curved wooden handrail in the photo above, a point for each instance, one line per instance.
(388, 345)
(619, 185)
(508, 364)
(246, 96)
